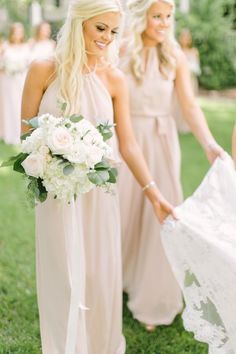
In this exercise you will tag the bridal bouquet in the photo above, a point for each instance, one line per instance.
(64, 157)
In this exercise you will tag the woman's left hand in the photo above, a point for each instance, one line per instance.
(213, 150)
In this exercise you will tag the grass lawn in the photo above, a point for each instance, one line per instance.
(19, 332)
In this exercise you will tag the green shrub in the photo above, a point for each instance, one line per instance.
(215, 39)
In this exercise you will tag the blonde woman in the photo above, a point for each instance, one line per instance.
(78, 245)
(154, 67)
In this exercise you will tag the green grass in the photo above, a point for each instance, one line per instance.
(19, 331)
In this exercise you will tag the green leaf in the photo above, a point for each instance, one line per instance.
(24, 136)
(105, 130)
(34, 123)
(10, 161)
(113, 173)
(17, 164)
(63, 106)
(98, 177)
(103, 165)
(76, 118)
(68, 169)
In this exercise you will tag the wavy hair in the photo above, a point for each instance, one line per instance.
(71, 55)
(166, 51)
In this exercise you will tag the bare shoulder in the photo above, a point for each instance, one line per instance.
(116, 80)
(180, 56)
(42, 72)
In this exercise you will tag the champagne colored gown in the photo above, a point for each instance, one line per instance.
(78, 255)
(154, 295)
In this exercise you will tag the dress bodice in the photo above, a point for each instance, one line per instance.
(153, 96)
(96, 104)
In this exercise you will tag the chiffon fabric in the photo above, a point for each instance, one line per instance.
(154, 295)
(16, 59)
(78, 250)
(201, 247)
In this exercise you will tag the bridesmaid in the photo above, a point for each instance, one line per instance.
(78, 245)
(14, 60)
(42, 46)
(154, 67)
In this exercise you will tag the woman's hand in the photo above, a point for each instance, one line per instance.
(213, 150)
(161, 206)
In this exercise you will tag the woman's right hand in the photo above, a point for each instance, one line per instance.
(161, 206)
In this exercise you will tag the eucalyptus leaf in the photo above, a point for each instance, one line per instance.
(76, 118)
(103, 165)
(34, 122)
(98, 177)
(113, 173)
(68, 169)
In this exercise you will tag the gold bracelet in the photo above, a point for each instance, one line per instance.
(149, 185)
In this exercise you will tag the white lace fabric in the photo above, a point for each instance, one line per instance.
(201, 248)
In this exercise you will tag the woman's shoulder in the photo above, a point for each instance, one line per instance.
(114, 79)
(115, 74)
(43, 71)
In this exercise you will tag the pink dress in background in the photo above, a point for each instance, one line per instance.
(42, 49)
(154, 295)
(13, 68)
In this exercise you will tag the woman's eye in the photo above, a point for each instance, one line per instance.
(115, 32)
(100, 29)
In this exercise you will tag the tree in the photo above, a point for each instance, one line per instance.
(215, 38)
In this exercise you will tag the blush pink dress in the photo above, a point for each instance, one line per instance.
(78, 250)
(154, 295)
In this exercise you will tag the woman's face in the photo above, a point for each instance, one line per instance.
(100, 31)
(44, 31)
(17, 34)
(159, 18)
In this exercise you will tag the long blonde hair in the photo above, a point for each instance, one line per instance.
(166, 51)
(70, 51)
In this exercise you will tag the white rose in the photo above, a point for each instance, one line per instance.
(60, 141)
(78, 153)
(34, 165)
(94, 155)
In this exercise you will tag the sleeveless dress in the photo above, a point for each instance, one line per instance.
(78, 250)
(13, 68)
(154, 295)
(201, 247)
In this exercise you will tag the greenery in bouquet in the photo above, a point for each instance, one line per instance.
(64, 156)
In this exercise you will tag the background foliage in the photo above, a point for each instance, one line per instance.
(212, 23)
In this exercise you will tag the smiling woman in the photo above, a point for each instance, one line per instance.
(155, 66)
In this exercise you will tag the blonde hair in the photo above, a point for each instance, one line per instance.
(70, 51)
(166, 50)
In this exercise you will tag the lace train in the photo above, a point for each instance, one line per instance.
(201, 247)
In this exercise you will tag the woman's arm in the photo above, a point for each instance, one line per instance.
(234, 145)
(39, 76)
(192, 112)
(129, 148)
